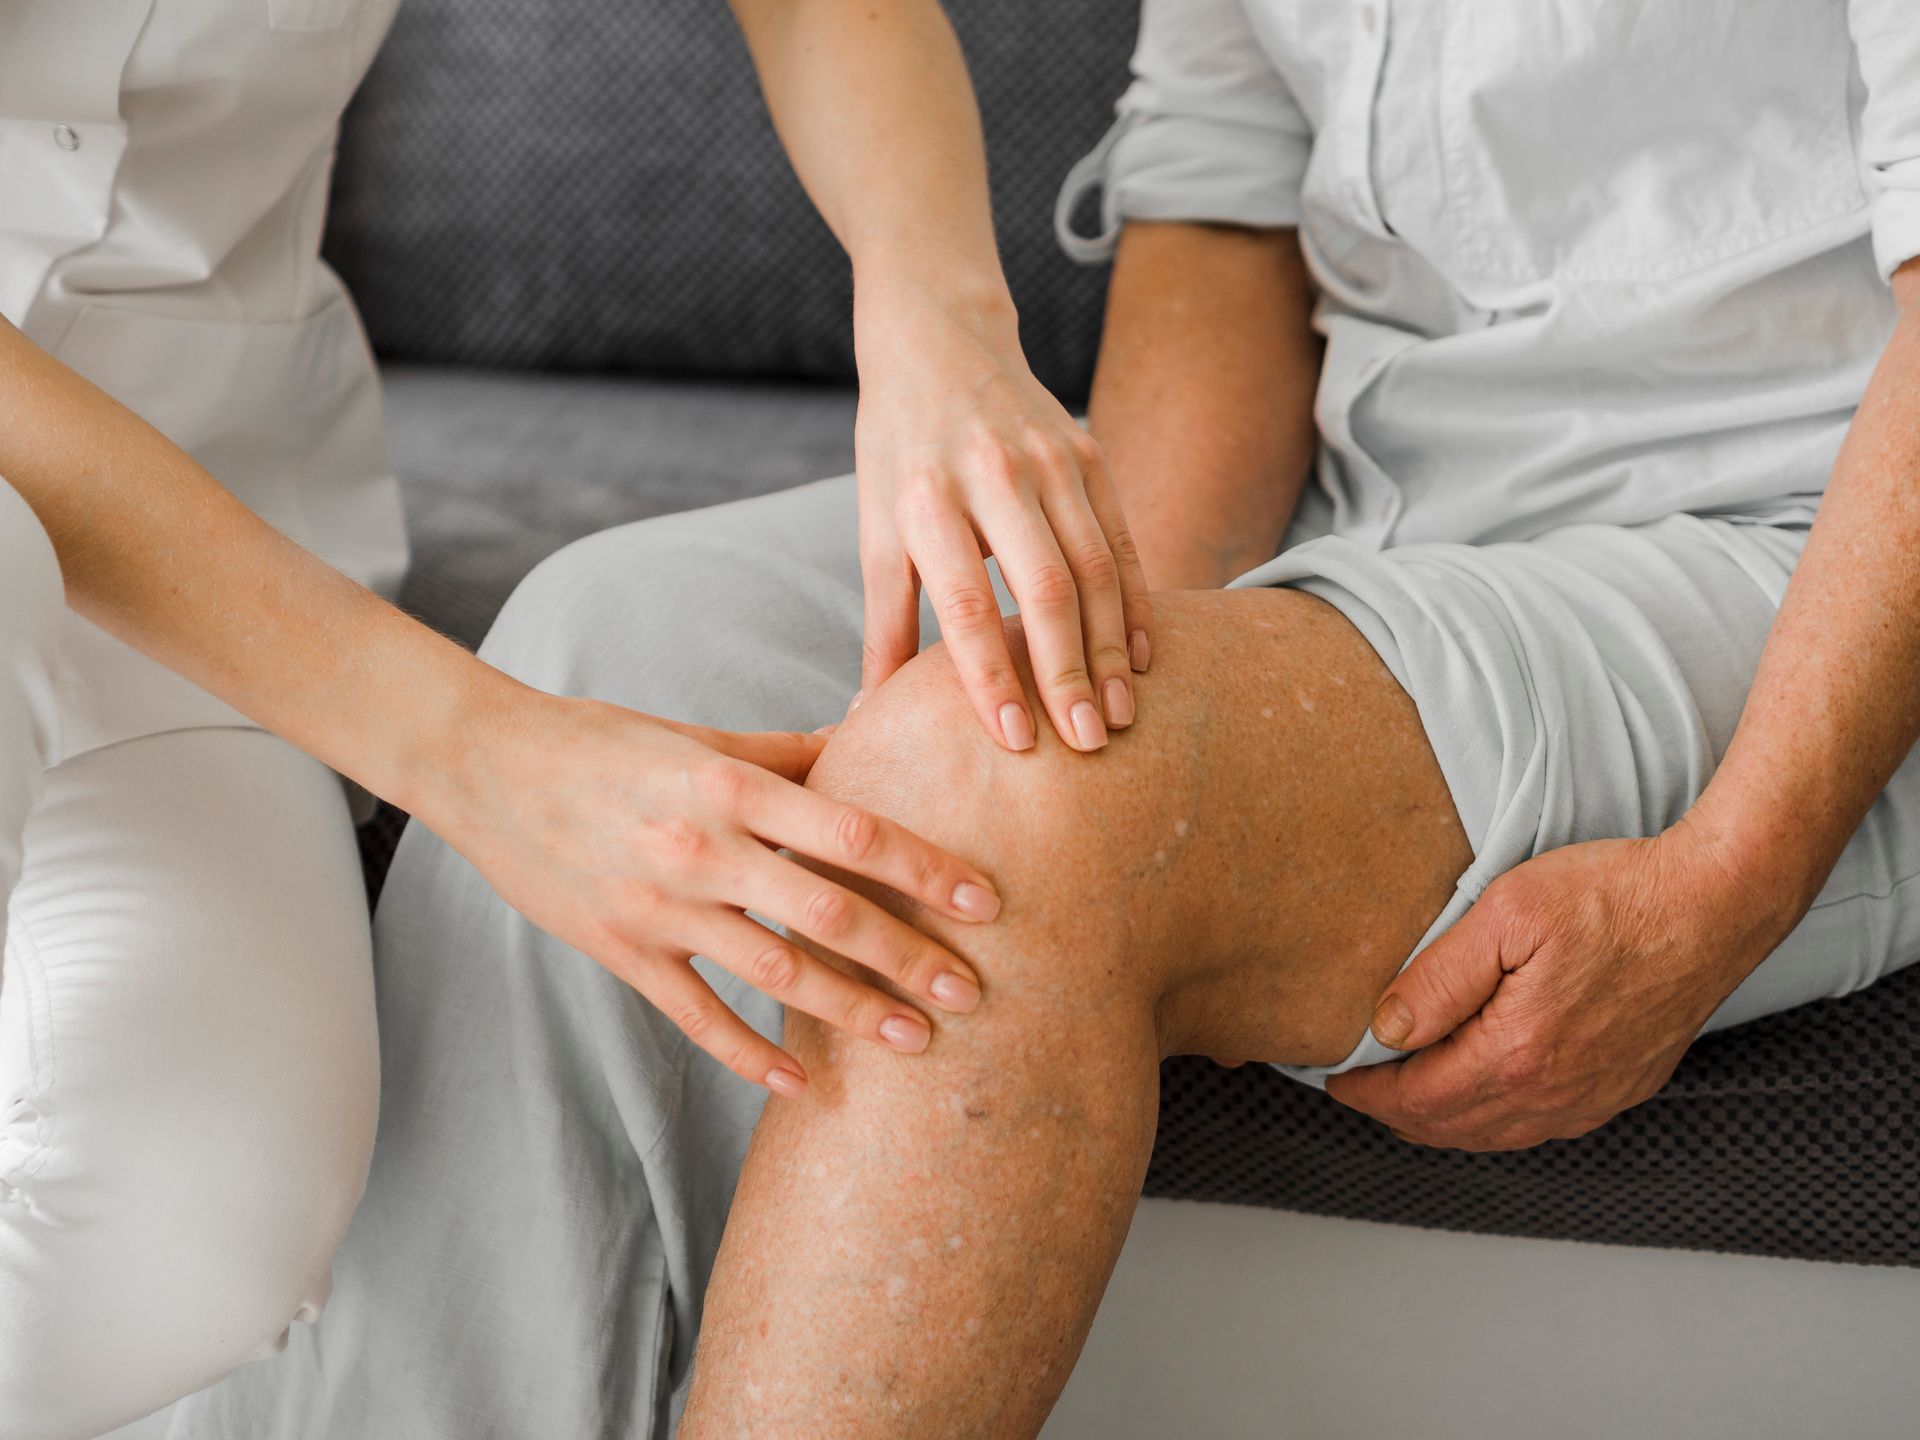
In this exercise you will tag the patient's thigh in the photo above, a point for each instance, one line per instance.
(744, 616)
(1254, 858)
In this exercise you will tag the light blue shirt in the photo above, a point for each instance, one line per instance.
(1579, 260)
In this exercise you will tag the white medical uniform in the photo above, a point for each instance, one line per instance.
(187, 1062)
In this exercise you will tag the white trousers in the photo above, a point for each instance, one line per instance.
(188, 1070)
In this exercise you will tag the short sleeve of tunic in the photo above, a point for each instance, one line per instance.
(1886, 38)
(1207, 132)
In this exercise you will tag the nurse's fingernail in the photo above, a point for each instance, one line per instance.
(789, 1083)
(1392, 1022)
(1138, 650)
(1119, 703)
(1087, 729)
(956, 993)
(909, 1034)
(1016, 726)
(976, 902)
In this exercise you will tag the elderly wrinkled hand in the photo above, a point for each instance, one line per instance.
(1567, 994)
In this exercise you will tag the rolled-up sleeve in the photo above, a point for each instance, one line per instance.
(1208, 131)
(1886, 37)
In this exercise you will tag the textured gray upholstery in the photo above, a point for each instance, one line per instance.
(584, 185)
(1793, 1136)
(498, 470)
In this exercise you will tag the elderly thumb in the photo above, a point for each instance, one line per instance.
(1442, 987)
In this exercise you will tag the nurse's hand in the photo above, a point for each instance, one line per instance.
(642, 842)
(962, 454)
(1567, 994)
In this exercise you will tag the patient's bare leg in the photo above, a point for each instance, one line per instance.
(918, 1246)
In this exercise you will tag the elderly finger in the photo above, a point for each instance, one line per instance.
(1435, 1085)
(1446, 983)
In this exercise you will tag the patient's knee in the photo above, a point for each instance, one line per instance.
(915, 752)
(1082, 847)
(912, 748)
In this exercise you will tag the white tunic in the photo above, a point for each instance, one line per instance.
(163, 178)
(1579, 260)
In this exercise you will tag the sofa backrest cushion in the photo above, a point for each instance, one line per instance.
(595, 185)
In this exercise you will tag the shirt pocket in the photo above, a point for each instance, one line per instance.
(1637, 140)
(284, 414)
(310, 14)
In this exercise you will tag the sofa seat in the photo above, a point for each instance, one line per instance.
(1792, 1136)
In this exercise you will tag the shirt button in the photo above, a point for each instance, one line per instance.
(66, 137)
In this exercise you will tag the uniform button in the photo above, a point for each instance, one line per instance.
(66, 137)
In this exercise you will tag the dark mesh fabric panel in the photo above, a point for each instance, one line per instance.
(1791, 1136)
(568, 184)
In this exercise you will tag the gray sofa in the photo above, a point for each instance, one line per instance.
(600, 295)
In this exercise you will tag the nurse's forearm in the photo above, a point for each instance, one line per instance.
(1203, 398)
(875, 108)
(159, 555)
(1835, 705)
(959, 451)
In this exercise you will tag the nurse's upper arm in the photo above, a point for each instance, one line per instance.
(1207, 133)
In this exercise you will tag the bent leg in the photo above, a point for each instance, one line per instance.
(918, 1247)
(188, 1072)
(555, 1158)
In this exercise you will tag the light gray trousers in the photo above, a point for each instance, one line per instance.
(187, 1059)
(555, 1159)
